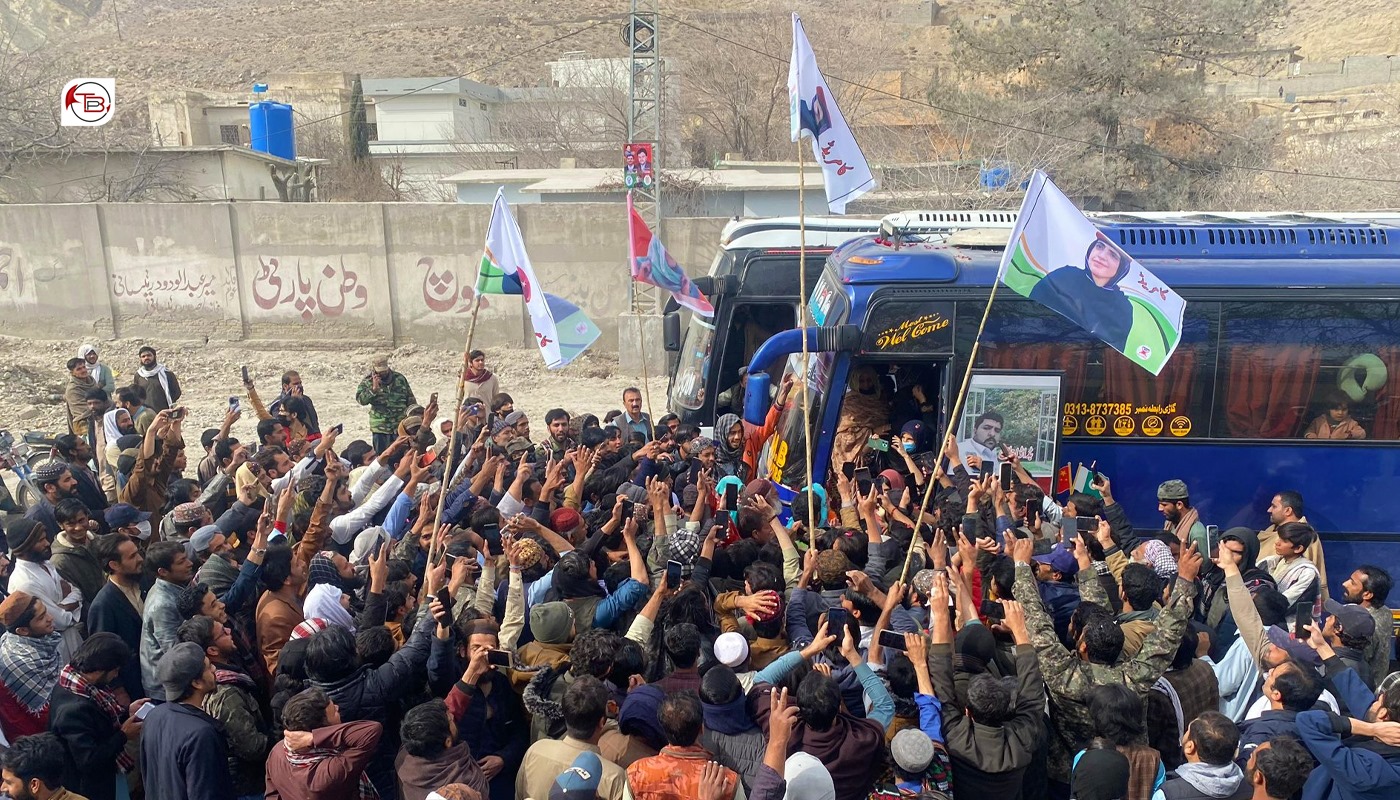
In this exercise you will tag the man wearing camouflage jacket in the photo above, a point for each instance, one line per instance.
(1070, 676)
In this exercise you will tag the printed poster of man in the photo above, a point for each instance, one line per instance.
(637, 168)
(1012, 412)
(1057, 258)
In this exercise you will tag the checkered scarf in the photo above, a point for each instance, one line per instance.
(73, 681)
(306, 759)
(29, 668)
(322, 570)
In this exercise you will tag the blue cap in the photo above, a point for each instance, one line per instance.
(580, 781)
(1060, 559)
(124, 514)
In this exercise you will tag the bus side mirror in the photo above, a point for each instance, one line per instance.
(756, 400)
(671, 331)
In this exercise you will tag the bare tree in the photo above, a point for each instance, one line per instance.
(30, 83)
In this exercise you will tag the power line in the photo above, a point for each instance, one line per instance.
(1200, 166)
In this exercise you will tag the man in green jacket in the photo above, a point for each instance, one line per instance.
(389, 397)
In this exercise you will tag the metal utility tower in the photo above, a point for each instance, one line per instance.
(645, 90)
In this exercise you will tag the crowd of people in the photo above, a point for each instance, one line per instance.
(611, 608)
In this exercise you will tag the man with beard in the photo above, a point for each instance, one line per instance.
(234, 704)
(160, 622)
(29, 665)
(157, 384)
(55, 483)
(35, 573)
(91, 722)
(33, 769)
(76, 453)
(1174, 501)
(1286, 507)
(986, 438)
(119, 604)
(161, 455)
(558, 442)
(1368, 587)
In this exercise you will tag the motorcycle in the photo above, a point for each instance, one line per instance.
(21, 457)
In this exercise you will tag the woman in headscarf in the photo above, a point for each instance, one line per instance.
(729, 448)
(98, 372)
(914, 458)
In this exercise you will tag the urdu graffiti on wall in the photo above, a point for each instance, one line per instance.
(167, 290)
(329, 290)
(441, 293)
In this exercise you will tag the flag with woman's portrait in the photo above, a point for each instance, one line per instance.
(1058, 258)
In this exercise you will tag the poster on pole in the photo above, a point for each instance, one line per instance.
(638, 166)
(1015, 411)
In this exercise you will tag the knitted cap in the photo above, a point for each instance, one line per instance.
(552, 623)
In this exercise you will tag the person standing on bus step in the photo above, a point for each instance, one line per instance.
(633, 419)
(389, 397)
(1285, 507)
(1336, 422)
(1174, 501)
(1090, 297)
(157, 384)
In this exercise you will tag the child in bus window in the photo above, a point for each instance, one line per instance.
(1335, 421)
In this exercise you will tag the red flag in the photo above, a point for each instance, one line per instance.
(1063, 480)
(652, 264)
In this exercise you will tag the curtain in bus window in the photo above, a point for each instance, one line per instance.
(1387, 422)
(1268, 388)
(1043, 355)
(1126, 382)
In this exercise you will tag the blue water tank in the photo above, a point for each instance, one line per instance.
(272, 129)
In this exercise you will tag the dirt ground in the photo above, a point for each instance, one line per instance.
(32, 375)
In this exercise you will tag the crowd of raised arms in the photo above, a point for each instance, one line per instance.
(615, 609)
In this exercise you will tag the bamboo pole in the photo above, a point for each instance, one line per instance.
(456, 429)
(808, 434)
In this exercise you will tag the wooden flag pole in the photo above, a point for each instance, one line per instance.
(809, 434)
(456, 429)
(641, 334)
(952, 422)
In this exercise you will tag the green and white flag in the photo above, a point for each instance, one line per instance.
(1084, 482)
(1058, 258)
(506, 269)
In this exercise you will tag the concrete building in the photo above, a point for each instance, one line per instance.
(154, 174)
(190, 117)
(762, 191)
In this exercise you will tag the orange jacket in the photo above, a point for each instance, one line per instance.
(674, 775)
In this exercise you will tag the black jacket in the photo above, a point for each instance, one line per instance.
(113, 613)
(90, 744)
(370, 693)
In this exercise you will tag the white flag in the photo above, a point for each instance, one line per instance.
(815, 115)
(505, 269)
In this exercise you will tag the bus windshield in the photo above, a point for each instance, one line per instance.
(694, 363)
(785, 455)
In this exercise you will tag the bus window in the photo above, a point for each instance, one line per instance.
(1321, 370)
(693, 364)
(1104, 395)
(749, 327)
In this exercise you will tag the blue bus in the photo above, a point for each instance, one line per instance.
(1285, 314)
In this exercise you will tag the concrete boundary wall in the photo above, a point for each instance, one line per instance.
(318, 272)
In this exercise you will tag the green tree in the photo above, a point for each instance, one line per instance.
(1126, 79)
(359, 123)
